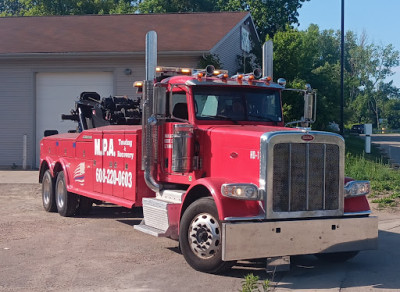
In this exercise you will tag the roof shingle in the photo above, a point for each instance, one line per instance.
(115, 33)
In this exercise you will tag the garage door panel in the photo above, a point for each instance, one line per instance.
(56, 94)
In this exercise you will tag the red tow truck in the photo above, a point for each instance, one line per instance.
(213, 166)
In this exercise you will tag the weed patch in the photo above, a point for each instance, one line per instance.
(385, 181)
(251, 283)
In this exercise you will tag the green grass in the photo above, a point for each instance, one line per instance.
(251, 283)
(355, 146)
(388, 201)
(385, 182)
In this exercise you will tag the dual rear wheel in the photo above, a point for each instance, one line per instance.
(55, 197)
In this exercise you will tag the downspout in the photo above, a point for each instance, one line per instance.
(149, 122)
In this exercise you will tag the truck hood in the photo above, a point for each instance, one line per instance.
(233, 151)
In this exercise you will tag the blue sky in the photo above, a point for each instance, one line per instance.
(379, 19)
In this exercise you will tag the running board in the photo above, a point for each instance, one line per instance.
(150, 230)
(161, 214)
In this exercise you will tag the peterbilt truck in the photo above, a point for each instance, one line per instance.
(214, 167)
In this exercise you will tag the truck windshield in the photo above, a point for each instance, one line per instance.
(237, 104)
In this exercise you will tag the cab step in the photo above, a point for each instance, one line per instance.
(161, 214)
(172, 196)
(150, 230)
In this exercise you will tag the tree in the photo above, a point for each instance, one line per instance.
(210, 59)
(370, 68)
(302, 57)
(165, 6)
(313, 56)
(11, 7)
(64, 7)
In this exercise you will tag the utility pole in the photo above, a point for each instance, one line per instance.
(342, 72)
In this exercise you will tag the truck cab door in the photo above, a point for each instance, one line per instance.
(177, 139)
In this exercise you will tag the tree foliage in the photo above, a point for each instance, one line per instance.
(313, 56)
(269, 16)
(64, 7)
(165, 6)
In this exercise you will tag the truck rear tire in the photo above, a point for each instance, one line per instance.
(337, 257)
(66, 202)
(200, 237)
(48, 198)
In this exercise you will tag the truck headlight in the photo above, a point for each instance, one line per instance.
(356, 188)
(240, 191)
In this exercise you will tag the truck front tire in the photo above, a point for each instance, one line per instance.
(200, 237)
(48, 198)
(66, 202)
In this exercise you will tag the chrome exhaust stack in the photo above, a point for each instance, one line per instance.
(149, 120)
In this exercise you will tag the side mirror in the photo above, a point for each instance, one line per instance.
(308, 106)
(159, 100)
(310, 100)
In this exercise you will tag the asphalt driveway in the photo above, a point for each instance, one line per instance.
(42, 251)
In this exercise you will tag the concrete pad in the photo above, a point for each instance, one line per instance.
(19, 176)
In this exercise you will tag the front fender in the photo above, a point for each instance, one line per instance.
(227, 207)
(356, 204)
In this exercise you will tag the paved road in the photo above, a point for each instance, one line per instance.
(42, 251)
(375, 270)
(389, 143)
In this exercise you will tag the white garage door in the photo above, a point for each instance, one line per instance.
(56, 94)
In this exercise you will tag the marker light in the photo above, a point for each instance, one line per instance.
(356, 189)
(186, 71)
(239, 78)
(223, 76)
(240, 191)
(219, 72)
(267, 79)
(138, 84)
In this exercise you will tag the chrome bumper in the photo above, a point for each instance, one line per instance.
(250, 240)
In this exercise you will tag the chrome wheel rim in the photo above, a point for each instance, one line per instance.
(46, 190)
(204, 236)
(60, 194)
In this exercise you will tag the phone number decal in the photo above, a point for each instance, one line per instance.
(113, 177)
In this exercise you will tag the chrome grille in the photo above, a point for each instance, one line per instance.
(305, 177)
